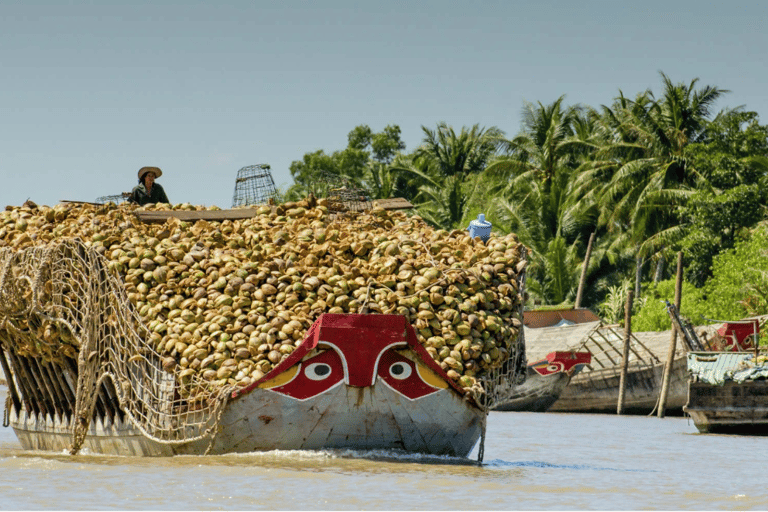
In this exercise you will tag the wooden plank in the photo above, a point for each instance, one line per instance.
(44, 383)
(396, 203)
(34, 402)
(79, 202)
(59, 372)
(187, 215)
(9, 381)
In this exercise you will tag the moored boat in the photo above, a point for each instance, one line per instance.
(544, 382)
(551, 337)
(728, 392)
(596, 388)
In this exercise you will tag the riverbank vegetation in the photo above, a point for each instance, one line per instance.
(650, 175)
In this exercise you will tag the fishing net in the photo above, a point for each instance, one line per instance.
(80, 351)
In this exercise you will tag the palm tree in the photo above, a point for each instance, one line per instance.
(461, 154)
(443, 172)
(545, 146)
(656, 176)
(536, 199)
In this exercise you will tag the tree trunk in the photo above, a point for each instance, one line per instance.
(659, 268)
(638, 274)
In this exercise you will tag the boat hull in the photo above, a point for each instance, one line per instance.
(355, 418)
(368, 418)
(598, 391)
(103, 437)
(357, 382)
(730, 408)
(536, 394)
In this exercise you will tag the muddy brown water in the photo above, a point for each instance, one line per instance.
(532, 461)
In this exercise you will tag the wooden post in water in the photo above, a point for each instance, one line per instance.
(672, 340)
(583, 278)
(625, 355)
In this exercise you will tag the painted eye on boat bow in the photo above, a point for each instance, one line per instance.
(400, 370)
(408, 378)
(310, 378)
(318, 371)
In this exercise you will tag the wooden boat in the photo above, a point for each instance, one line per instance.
(84, 371)
(357, 381)
(548, 335)
(596, 388)
(545, 381)
(728, 393)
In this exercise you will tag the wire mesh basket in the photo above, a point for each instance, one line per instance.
(348, 200)
(253, 186)
(343, 195)
(114, 198)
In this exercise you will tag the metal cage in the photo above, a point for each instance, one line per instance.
(343, 195)
(114, 198)
(253, 186)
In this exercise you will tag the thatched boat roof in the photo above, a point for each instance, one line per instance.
(606, 342)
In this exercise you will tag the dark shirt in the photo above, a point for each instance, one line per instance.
(157, 195)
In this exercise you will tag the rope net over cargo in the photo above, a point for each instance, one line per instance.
(498, 383)
(79, 350)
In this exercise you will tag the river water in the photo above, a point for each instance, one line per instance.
(532, 461)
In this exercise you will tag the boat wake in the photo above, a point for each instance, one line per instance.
(548, 465)
(388, 455)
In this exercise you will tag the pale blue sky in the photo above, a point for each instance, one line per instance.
(90, 91)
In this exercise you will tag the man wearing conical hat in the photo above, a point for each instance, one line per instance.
(147, 191)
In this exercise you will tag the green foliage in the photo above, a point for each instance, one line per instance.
(738, 288)
(730, 161)
(739, 283)
(651, 315)
(363, 163)
(655, 178)
(448, 153)
(716, 220)
(612, 308)
(444, 172)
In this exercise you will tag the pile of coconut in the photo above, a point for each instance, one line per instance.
(228, 300)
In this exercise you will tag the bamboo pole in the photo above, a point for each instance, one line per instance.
(672, 340)
(625, 355)
(583, 278)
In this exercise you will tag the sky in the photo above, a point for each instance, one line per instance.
(91, 91)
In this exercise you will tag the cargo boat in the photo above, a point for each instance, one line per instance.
(84, 370)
